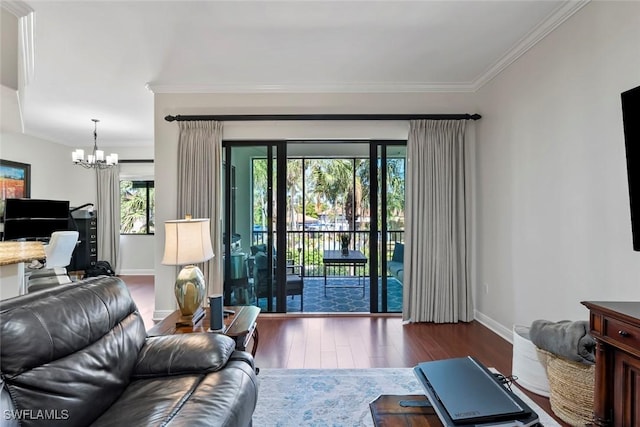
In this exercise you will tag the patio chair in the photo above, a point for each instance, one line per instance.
(261, 275)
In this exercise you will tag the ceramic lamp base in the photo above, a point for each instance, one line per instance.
(191, 320)
(190, 291)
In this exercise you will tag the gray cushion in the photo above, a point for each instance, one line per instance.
(398, 252)
(260, 260)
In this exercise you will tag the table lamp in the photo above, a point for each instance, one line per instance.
(187, 242)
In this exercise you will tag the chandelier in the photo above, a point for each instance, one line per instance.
(96, 160)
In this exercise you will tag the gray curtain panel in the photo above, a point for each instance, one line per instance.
(108, 215)
(437, 285)
(200, 187)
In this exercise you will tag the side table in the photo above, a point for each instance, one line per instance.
(401, 411)
(242, 326)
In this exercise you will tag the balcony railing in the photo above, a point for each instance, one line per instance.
(306, 247)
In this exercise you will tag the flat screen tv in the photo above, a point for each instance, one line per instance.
(631, 123)
(35, 219)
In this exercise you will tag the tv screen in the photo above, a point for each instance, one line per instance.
(35, 219)
(631, 123)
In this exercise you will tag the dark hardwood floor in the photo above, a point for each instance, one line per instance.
(358, 341)
(143, 293)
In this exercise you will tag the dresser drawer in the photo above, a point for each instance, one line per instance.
(622, 332)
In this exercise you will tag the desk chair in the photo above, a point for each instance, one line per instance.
(58, 255)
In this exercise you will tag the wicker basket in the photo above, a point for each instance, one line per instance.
(571, 387)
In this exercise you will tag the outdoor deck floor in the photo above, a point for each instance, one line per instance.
(342, 297)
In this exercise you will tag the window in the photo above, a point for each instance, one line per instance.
(137, 207)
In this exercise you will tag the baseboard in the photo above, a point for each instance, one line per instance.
(158, 315)
(496, 327)
(137, 272)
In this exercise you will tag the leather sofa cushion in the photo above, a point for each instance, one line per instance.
(183, 354)
(71, 347)
(38, 332)
(223, 398)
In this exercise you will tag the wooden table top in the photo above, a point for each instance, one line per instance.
(15, 252)
(628, 309)
(390, 411)
(236, 325)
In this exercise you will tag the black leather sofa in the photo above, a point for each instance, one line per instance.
(78, 355)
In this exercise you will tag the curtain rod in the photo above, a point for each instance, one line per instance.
(278, 117)
(135, 161)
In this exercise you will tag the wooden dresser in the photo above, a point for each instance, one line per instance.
(616, 328)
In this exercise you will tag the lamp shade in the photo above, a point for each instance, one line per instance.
(187, 241)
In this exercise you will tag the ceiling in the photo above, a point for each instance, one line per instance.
(104, 59)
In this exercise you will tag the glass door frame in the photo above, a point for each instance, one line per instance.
(378, 153)
(377, 178)
(229, 196)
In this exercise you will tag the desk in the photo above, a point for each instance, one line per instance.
(616, 329)
(241, 326)
(13, 255)
(336, 258)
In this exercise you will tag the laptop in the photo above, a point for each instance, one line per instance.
(463, 392)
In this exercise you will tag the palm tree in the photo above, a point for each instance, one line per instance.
(260, 192)
(133, 209)
(395, 187)
(294, 191)
(333, 178)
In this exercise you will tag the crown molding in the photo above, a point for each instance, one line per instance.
(16, 7)
(26, 28)
(27, 61)
(157, 88)
(540, 31)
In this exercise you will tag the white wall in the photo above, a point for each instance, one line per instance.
(166, 138)
(136, 251)
(8, 49)
(137, 255)
(53, 176)
(553, 204)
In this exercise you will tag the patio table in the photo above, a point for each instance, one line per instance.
(336, 258)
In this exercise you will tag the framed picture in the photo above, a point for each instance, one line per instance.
(15, 181)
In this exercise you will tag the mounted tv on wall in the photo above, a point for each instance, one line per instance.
(631, 122)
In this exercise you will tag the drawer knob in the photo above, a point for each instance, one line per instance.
(624, 333)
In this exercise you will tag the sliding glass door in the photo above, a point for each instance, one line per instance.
(288, 208)
(253, 272)
(389, 202)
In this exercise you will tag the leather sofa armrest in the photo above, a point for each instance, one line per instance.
(243, 356)
(183, 354)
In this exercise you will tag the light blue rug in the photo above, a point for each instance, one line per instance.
(335, 397)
